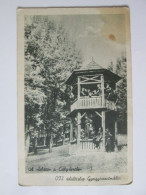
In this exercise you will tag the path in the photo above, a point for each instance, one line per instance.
(60, 159)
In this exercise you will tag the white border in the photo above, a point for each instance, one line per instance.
(8, 98)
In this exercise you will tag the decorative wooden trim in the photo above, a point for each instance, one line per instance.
(98, 114)
(85, 79)
(89, 75)
(90, 82)
(83, 115)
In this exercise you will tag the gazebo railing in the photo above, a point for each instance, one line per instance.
(87, 145)
(93, 102)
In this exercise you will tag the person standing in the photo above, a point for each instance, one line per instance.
(108, 140)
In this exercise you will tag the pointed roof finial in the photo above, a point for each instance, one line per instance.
(92, 59)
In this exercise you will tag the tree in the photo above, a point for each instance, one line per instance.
(50, 57)
(120, 68)
(111, 67)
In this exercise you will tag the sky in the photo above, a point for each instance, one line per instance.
(101, 36)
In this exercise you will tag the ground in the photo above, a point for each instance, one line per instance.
(61, 160)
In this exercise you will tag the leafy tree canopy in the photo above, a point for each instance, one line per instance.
(120, 68)
(50, 57)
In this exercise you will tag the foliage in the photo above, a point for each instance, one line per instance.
(120, 68)
(49, 59)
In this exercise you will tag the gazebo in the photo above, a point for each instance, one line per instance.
(93, 109)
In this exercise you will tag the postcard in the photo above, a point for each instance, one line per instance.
(74, 96)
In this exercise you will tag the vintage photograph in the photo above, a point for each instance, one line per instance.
(74, 96)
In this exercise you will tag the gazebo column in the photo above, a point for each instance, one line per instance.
(79, 88)
(102, 89)
(79, 126)
(116, 131)
(103, 128)
(71, 130)
(103, 112)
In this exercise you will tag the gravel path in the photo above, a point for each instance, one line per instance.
(60, 160)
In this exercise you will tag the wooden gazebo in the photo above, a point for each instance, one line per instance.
(93, 108)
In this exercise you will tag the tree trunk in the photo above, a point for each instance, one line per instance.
(35, 145)
(27, 139)
(50, 144)
(44, 140)
(27, 144)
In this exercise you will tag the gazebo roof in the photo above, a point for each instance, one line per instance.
(92, 68)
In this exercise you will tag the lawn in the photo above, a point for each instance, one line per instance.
(61, 160)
